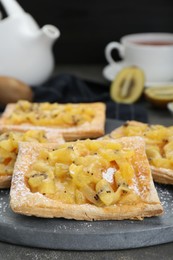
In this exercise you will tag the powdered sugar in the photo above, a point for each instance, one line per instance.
(4, 203)
(165, 193)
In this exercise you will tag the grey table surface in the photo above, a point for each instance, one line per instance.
(163, 251)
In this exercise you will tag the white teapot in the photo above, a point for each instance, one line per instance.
(25, 49)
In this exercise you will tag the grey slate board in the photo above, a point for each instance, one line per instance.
(82, 235)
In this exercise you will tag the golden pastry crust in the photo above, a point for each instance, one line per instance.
(159, 146)
(147, 204)
(94, 127)
(162, 175)
(11, 153)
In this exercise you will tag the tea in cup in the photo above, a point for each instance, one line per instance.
(152, 52)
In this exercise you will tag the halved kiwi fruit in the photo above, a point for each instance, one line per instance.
(159, 96)
(128, 85)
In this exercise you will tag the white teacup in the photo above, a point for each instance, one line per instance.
(152, 52)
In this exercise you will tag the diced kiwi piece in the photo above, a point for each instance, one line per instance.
(128, 85)
(159, 96)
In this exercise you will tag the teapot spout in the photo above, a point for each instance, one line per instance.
(50, 32)
(12, 7)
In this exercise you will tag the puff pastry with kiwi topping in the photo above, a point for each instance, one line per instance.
(9, 149)
(159, 147)
(85, 180)
(74, 121)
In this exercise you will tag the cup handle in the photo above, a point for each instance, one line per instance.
(108, 51)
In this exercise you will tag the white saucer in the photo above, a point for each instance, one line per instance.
(111, 70)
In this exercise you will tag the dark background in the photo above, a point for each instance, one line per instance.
(87, 26)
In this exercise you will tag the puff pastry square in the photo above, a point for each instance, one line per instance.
(74, 121)
(159, 147)
(9, 148)
(85, 180)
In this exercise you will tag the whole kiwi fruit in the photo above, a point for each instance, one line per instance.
(12, 90)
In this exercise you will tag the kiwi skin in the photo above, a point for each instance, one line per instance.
(12, 90)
